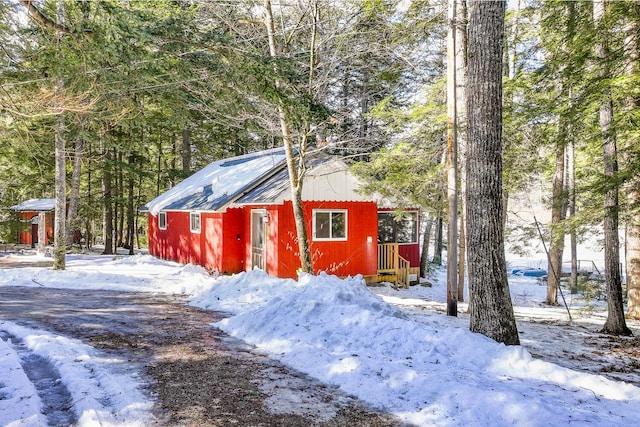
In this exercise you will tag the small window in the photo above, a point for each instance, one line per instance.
(195, 222)
(403, 230)
(330, 225)
(162, 220)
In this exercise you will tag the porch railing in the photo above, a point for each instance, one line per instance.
(391, 264)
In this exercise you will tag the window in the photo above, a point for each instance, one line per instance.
(162, 220)
(392, 230)
(329, 225)
(194, 220)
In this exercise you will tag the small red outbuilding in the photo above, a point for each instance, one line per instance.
(32, 212)
(236, 214)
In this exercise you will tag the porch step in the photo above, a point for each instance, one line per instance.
(393, 278)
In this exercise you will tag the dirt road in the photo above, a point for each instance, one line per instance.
(197, 375)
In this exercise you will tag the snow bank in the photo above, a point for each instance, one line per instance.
(340, 332)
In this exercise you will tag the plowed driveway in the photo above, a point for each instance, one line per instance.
(196, 374)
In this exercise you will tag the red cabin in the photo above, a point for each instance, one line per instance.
(29, 212)
(236, 214)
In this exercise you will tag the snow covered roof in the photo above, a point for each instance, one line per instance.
(219, 183)
(259, 178)
(35, 205)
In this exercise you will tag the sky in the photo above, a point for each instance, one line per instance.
(394, 349)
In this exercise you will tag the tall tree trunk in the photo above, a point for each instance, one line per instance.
(74, 196)
(513, 41)
(130, 206)
(424, 256)
(158, 167)
(461, 131)
(42, 232)
(137, 216)
(452, 166)
(186, 150)
(557, 227)
(632, 253)
(462, 252)
(438, 244)
(491, 307)
(89, 222)
(60, 234)
(296, 177)
(633, 263)
(615, 323)
(108, 205)
(119, 202)
(571, 196)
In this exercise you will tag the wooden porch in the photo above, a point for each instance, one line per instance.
(392, 267)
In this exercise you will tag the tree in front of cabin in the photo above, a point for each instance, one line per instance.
(490, 305)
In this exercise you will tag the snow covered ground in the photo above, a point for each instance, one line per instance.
(392, 348)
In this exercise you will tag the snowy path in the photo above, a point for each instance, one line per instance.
(56, 401)
(65, 382)
(152, 360)
(377, 344)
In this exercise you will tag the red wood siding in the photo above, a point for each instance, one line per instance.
(410, 252)
(24, 235)
(224, 243)
(216, 247)
(356, 255)
(176, 242)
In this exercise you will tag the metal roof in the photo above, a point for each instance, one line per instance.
(35, 205)
(220, 183)
(258, 178)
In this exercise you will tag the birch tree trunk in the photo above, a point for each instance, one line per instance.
(491, 308)
(42, 231)
(461, 132)
(296, 177)
(615, 323)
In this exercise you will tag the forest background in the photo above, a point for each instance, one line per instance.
(127, 98)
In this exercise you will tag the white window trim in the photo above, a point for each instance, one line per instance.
(331, 239)
(191, 215)
(162, 214)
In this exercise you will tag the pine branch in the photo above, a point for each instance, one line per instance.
(39, 17)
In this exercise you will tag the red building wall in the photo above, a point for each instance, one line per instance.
(24, 236)
(218, 246)
(356, 255)
(410, 252)
(176, 241)
(224, 242)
